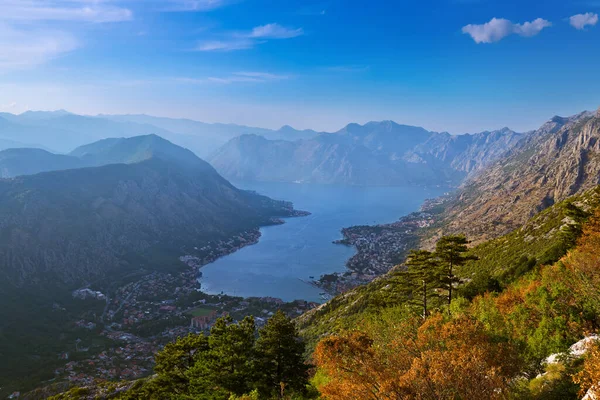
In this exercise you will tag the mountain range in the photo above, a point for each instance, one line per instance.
(377, 153)
(62, 131)
(135, 196)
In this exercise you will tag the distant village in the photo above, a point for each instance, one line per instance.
(140, 317)
(379, 248)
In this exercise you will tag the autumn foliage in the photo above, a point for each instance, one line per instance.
(437, 359)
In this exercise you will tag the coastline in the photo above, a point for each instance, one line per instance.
(379, 248)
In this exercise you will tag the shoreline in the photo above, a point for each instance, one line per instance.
(379, 248)
(228, 247)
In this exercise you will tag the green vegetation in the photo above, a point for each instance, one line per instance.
(231, 361)
(492, 347)
(543, 240)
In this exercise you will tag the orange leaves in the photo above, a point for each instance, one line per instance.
(437, 360)
(589, 377)
(585, 259)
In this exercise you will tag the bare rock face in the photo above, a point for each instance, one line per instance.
(377, 153)
(560, 159)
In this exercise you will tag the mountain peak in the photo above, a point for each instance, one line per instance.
(136, 149)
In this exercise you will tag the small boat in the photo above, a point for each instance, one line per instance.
(311, 277)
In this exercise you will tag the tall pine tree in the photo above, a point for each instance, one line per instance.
(227, 367)
(422, 278)
(452, 252)
(280, 358)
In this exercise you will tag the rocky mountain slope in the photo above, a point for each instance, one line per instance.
(377, 153)
(560, 159)
(77, 225)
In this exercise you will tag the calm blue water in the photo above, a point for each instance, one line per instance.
(303, 247)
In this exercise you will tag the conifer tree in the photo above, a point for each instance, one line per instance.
(227, 367)
(280, 358)
(173, 362)
(451, 251)
(422, 278)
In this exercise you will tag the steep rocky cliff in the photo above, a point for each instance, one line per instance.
(377, 153)
(560, 159)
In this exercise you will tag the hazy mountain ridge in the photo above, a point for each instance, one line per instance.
(559, 160)
(27, 161)
(63, 131)
(377, 153)
(77, 224)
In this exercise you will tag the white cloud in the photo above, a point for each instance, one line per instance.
(28, 36)
(10, 105)
(262, 75)
(499, 28)
(247, 40)
(580, 21)
(62, 10)
(225, 45)
(24, 48)
(236, 77)
(195, 5)
(275, 31)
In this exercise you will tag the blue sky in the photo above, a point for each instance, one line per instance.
(455, 65)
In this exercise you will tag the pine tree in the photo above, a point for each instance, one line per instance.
(227, 367)
(280, 363)
(422, 278)
(451, 251)
(174, 361)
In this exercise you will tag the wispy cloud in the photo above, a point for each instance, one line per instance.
(25, 48)
(236, 77)
(499, 28)
(63, 10)
(225, 45)
(247, 40)
(9, 106)
(195, 5)
(275, 31)
(28, 36)
(580, 21)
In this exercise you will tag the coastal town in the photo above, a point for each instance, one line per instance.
(379, 248)
(141, 316)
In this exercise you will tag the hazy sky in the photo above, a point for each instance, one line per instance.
(456, 65)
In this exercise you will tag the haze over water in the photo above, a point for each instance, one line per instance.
(302, 247)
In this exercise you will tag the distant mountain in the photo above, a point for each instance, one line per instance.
(377, 153)
(12, 144)
(560, 159)
(25, 161)
(63, 131)
(134, 150)
(217, 133)
(75, 225)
